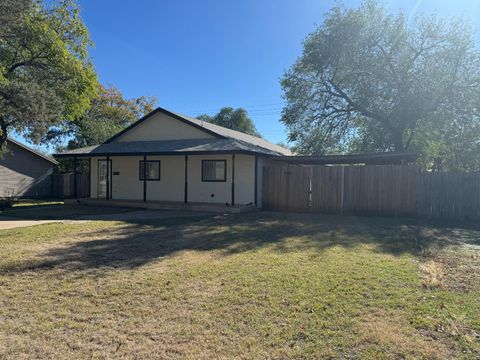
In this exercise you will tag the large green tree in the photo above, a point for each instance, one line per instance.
(235, 119)
(109, 113)
(372, 81)
(46, 76)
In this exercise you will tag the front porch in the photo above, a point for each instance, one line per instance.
(198, 182)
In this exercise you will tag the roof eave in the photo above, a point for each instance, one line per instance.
(158, 153)
(375, 158)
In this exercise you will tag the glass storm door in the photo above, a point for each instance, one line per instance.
(103, 179)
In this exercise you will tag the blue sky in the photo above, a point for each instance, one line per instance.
(198, 56)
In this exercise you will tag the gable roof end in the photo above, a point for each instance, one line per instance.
(33, 151)
(166, 112)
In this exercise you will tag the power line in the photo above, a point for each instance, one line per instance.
(249, 108)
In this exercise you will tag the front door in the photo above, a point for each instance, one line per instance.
(104, 168)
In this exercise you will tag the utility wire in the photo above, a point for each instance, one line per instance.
(249, 108)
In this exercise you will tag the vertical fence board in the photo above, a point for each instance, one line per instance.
(385, 190)
(63, 185)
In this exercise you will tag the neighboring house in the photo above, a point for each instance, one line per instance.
(166, 156)
(25, 172)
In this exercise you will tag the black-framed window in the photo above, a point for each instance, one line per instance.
(214, 170)
(152, 170)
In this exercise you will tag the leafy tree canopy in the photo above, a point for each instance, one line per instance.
(235, 119)
(45, 74)
(109, 113)
(371, 81)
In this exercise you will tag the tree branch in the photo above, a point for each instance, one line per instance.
(354, 105)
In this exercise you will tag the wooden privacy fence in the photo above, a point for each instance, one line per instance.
(63, 185)
(386, 190)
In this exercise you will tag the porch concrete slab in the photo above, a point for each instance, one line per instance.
(169, 205)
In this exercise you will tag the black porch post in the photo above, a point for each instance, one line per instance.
(233, 179)
(186, 180)
(108, 179)
(255, 201)
(144, 177)
(75, 177)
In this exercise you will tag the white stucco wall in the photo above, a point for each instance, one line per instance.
(162, 127)
(127, 185)
(211, 192)
(171, 185)
(244, 179)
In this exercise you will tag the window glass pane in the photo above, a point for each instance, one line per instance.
(213, 170)
(151, 169)
(219, 170)
(208, 170)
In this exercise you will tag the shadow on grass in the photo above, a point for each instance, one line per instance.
(141, 242)
(60, 211)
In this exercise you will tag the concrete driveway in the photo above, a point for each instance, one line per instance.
(10, 223)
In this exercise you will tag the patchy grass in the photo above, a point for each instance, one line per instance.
(57, 211)
(433, 274)
(260, 285)
(38, 202)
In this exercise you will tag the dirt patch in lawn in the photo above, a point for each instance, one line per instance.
(390, 333)
(457, 252)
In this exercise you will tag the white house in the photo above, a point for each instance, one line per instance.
(168, 157)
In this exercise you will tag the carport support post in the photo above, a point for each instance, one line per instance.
(255, 197)
(75, 177)
(233, 179)
(108, 179)
(144, 178)
(185, 200)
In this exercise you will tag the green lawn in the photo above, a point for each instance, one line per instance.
(258, 285)
(37, 202)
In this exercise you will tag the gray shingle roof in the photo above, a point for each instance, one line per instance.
(227, 140)
(229, 133)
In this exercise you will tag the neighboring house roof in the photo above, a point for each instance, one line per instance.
(225, 141)
(33, 151)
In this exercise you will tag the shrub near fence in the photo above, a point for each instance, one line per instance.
(384, 190)
(63, 185)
